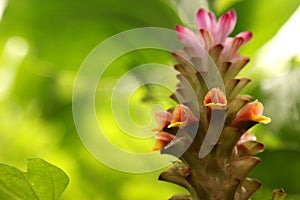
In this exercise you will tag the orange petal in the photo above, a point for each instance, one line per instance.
(162, 139)
(215, 99)
(182, 115)
(252, 112)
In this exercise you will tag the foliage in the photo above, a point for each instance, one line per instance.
(41, 181)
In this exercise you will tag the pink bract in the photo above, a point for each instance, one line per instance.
(212, 32)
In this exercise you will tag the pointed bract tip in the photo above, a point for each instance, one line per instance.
(279, 194)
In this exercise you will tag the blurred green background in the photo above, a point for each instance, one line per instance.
(43, 43)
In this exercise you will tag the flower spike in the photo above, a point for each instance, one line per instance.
(220, 128)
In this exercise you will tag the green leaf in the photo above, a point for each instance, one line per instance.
(279, 169)
(263, 18)
(42, 180)
(221, 5)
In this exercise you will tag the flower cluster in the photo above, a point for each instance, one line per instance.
(181, 117)
(213, 33)
(222, 174)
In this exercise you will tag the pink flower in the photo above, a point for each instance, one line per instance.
(213, 32)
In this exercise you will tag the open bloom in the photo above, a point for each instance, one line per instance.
(180, 117)
(252, 112)
(215, 99)
(162, 140)
(214, 32)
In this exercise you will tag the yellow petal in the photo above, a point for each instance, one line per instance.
(262, 119)
(175, 124)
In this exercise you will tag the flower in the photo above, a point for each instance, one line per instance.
(215, 99)
(252, 112)
(214, 32)
(182, 116)
(163, 119)
(162, 139)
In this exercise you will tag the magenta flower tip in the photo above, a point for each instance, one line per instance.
(178, 28)
(247, 36)
(187, 36)
(214, 32)
(204, 19)
(226, 25)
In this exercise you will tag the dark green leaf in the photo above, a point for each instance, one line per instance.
(263, 18)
